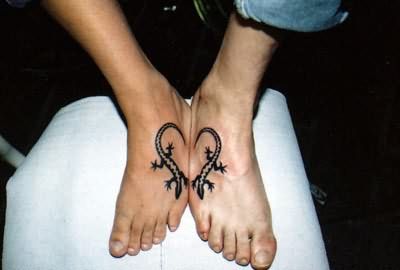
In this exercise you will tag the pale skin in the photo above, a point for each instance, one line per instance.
(144, 207)
(224, 217)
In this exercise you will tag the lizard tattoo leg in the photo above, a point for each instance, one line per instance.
(201, 181)
(178, 179)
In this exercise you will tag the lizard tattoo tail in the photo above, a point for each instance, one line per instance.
(178, 179)
(201, 181)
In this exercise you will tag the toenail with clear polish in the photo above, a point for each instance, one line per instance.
(262, 258)
(145, 246)
(116, 246)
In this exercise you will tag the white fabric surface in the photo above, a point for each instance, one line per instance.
(60, 202)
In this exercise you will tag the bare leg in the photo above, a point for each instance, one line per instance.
(227, 198)
(146, 202)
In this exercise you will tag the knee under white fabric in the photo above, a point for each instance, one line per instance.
(60, 202)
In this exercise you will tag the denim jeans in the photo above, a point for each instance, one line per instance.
(297, 15)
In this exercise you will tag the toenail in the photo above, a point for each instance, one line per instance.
(243, 262)
(116, 246)
(262, 257)
(172, 228)
(229, 257)
(131, 251)
(156, 240)
(216, 248)
(145, 246)
(204, 236)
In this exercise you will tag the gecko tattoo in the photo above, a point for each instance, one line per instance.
(201, 180)
(178, 178)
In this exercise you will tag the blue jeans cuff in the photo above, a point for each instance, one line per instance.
(296, 15)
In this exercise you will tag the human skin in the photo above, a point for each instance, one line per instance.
(144, 207)
(235, 216)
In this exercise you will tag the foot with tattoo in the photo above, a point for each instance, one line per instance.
(227, 196)
(154, 189)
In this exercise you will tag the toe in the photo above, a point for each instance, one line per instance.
(242, 248)
(120, 234)
(147, 236)
(203, 226)
(229, 251)
(159, 232)
(134, 239)
(263, 249)
(174, 218)
(215, 238)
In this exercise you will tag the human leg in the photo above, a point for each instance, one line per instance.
(60, 202)
(294, 220)
(144, 206)
(226, 177)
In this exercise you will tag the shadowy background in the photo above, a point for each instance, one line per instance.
(342, 88)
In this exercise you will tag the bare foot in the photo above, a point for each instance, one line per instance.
(227, 196)
(154, 189)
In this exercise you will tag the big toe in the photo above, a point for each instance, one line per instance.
(203, 226)
(174, 218)
(263, 249)
(175, 215)
(119, 237)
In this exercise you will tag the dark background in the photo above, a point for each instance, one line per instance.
(342, 88)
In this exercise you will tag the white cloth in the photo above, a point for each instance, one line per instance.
(60, 202)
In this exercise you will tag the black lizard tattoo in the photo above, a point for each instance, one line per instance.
(178, 178)
(201, 180)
